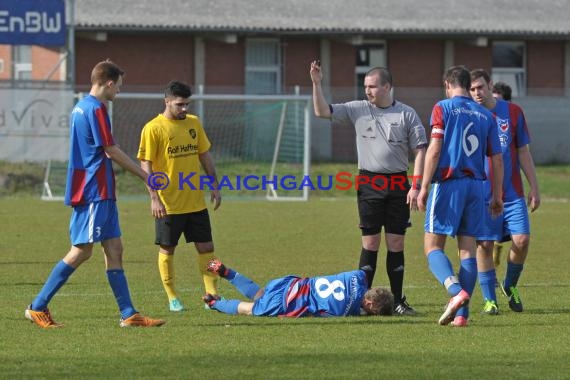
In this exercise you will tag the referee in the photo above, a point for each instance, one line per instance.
(386, 131)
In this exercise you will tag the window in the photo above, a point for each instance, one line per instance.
(263, 66)
(262, 77)
(509, 65)
(367, 57)
(23, 62)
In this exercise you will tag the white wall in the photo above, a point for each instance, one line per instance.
(548, 119)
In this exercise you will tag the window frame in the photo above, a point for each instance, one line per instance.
(360, 70)
(263, 68)
(22, 62)
(516, 77)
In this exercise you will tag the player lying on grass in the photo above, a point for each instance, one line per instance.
(337, 295)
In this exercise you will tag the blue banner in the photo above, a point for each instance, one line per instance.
(32, 22)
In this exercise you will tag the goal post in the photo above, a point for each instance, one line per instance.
(55, 175)
(272, 194)
(260, 143)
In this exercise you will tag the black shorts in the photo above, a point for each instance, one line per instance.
(195, 226)
(384, 205)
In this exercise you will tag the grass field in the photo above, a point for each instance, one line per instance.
(266, 240)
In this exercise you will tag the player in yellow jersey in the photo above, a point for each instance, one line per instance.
(173, 146)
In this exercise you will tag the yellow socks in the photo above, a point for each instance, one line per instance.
(210, 279)
(497, 249)
(166, 269)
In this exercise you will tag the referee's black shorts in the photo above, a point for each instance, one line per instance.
(382, 203)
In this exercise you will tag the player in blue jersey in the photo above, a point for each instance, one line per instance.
(339, 295)
(515, 140)
(502, 91)
(90, 191)
(463, 132)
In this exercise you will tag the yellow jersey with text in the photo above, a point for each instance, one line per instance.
(173, 147)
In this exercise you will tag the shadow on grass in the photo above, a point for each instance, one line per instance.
(546, 311)
(271, 321)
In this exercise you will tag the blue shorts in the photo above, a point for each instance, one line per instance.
(513, 221)
(94, 222)
(272, 302)
(456, 207)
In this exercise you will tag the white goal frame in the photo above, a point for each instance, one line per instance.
(271, 194)
(47, 195)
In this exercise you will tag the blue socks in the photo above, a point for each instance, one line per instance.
(227, 306)
(118, 283)
(487, 282)
(513, 274)
(58, 276)
(230, 274)
(243, 284)
(468, 279)
(442, 269)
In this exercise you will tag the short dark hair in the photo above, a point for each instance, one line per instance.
(177, 89)
(104, 71)
(458, 76)
(503, 89)
(382, 301)
(480, 73)
(384, 74)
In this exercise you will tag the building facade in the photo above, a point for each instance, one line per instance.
(257, 47)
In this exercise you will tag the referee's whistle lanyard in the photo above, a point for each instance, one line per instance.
(376, 121)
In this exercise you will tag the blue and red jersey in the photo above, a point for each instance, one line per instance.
(326, 296)
(90, 176)
(469, 132)
(513, 134)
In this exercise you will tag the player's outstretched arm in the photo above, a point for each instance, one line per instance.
(117, 155)
(430, 165)
(528, 168)
(496, 204)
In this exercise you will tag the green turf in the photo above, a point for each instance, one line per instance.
(266, 240)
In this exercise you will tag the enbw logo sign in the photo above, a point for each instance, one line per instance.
(32, 22)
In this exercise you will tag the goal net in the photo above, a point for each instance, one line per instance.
(260, 144)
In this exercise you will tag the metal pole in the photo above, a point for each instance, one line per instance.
(307, 146)
(200, 105)
(71, 43)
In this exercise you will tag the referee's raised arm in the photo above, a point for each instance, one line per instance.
(319, 103)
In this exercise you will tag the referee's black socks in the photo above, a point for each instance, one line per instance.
(395, 270)
(367, 264)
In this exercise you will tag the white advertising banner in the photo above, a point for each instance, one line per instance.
(34, 124)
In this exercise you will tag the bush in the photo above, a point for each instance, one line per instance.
(24, 178)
